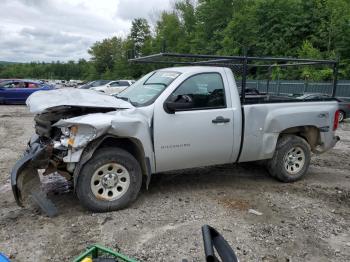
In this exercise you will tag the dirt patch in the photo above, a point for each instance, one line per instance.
(238, 204)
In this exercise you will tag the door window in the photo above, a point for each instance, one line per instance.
(119, 83)
(32, 85)
(204, 90)
(113, 84)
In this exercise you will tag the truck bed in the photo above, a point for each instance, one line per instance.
(266, 118)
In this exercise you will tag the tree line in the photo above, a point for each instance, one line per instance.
(317, 29)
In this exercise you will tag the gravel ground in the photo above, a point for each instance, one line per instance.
(304, 221)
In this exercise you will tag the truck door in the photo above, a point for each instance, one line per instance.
(200, 133)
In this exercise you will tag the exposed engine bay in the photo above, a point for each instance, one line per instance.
(44, 122)
(49, 150)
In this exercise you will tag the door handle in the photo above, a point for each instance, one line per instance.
(220, 119)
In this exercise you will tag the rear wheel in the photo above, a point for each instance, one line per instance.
(291, 159)
(109, 181)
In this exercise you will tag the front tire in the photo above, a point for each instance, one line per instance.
(291, 159)
(109, 181)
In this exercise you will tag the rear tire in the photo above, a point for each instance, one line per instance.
(109, 181)
(291, 159)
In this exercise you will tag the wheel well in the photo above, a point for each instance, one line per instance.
(310, 133)
(133, 146)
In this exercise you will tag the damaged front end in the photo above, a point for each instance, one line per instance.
(66, 121)
(55, 148)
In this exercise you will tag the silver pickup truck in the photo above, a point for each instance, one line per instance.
(170, 119)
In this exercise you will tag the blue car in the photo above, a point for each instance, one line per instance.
(16, 91)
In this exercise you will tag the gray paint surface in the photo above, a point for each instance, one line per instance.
(264, 123)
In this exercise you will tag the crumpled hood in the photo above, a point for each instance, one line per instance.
(42, 100)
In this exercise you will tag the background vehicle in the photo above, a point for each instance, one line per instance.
(16, 91)
(114, 87)
(109, 144)
(344, 106)
(94, 83)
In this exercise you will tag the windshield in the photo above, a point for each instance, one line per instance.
(94, 84)
(145, 91)
(99, 83)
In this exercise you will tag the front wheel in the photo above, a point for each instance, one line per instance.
(109, 181)
(291, 159)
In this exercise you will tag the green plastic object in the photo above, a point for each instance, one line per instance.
(97, 251)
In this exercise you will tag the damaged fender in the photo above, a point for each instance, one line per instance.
(129, 123)
(132, 123)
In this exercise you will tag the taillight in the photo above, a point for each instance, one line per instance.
(336, 120)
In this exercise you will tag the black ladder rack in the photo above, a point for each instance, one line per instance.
(239, 64)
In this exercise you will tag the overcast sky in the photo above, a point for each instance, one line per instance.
(50, 30)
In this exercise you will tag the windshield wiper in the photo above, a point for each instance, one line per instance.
(162, 84)
(127, 99)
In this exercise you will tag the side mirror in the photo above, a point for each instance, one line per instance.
(182, 102)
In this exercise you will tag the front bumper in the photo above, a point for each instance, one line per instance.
(24, 174)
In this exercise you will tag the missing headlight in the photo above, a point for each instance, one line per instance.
(77, 136)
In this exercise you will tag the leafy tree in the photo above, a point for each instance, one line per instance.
(140, 37)
(185, 10)
(105, 53)
(169, 33)
(311, 72)
(212, 17)
(241, 34)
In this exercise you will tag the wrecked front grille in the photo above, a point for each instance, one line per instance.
(44, 121)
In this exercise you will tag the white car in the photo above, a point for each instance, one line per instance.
(113, 87)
